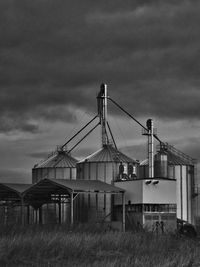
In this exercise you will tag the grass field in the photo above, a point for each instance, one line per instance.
(48, 246)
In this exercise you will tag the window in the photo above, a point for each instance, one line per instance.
(159, 207)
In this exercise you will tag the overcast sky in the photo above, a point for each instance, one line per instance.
(54, 54)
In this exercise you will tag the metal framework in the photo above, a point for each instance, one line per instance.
(54, 191)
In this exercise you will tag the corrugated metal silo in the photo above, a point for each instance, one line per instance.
(108, 165)
(161, 165)
(144, 169)
(60, 165)
(171, 163)
(182, 170)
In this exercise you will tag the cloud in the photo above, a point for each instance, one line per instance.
(39, 155)
(56, 54)
(8, 123)
(14, 176)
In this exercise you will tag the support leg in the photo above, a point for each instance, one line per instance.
(123, 212)
(72, 208)
(22, 211)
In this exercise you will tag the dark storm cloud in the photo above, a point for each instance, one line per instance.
(82, 152)
(56, 53)
(14, 176)
(11, 122)
(137, 152)
(190, 146)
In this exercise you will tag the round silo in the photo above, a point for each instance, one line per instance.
(144, 169)
(108, 165)
(161, 165)
(182, 169)
(173, 164)
(59, 165)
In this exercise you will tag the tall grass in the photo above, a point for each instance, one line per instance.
(56, 246)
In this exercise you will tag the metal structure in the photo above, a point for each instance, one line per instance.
(171, 163)
(59, 165)
(56, 191)
(102, 112)
(65, 191)
(107, 164)
(150, 133)
(150, 203)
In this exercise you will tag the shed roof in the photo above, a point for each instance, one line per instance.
(10, 190)
(54, 186)
(20, 188)
(108, 154)
(67, 186)
(88, 186)
(60, 159)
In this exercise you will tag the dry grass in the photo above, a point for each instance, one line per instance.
(47, 246)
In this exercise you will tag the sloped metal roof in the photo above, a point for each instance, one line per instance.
(172, 158)
(54, 186)
(9, 191)
(176, 160)
(17, 187)
(62, 186)
(61, 159)
(88, 185)
(108, 154)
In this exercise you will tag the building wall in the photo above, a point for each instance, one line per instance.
(102, 171)
(134, 192)
(151, 205)
(184, 175)
(137, 191)
(160, 222)
(185, 184)
(163, 193)
(98, 207)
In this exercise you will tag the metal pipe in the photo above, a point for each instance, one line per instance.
(72, 208)
(28, 214)
(150, 148)
(22, 211)
(127, 113)
(123, 213)
(84, 137)
(154, 135)
(79, 131)
(111, 135)
(152, 151)
(104, 114)
(59, 211)
(97, 208)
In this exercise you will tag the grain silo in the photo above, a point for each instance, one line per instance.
(170, 163)
(107, 164)
(182, 168)
(59, 165)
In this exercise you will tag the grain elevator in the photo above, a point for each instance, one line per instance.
(158, 190)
